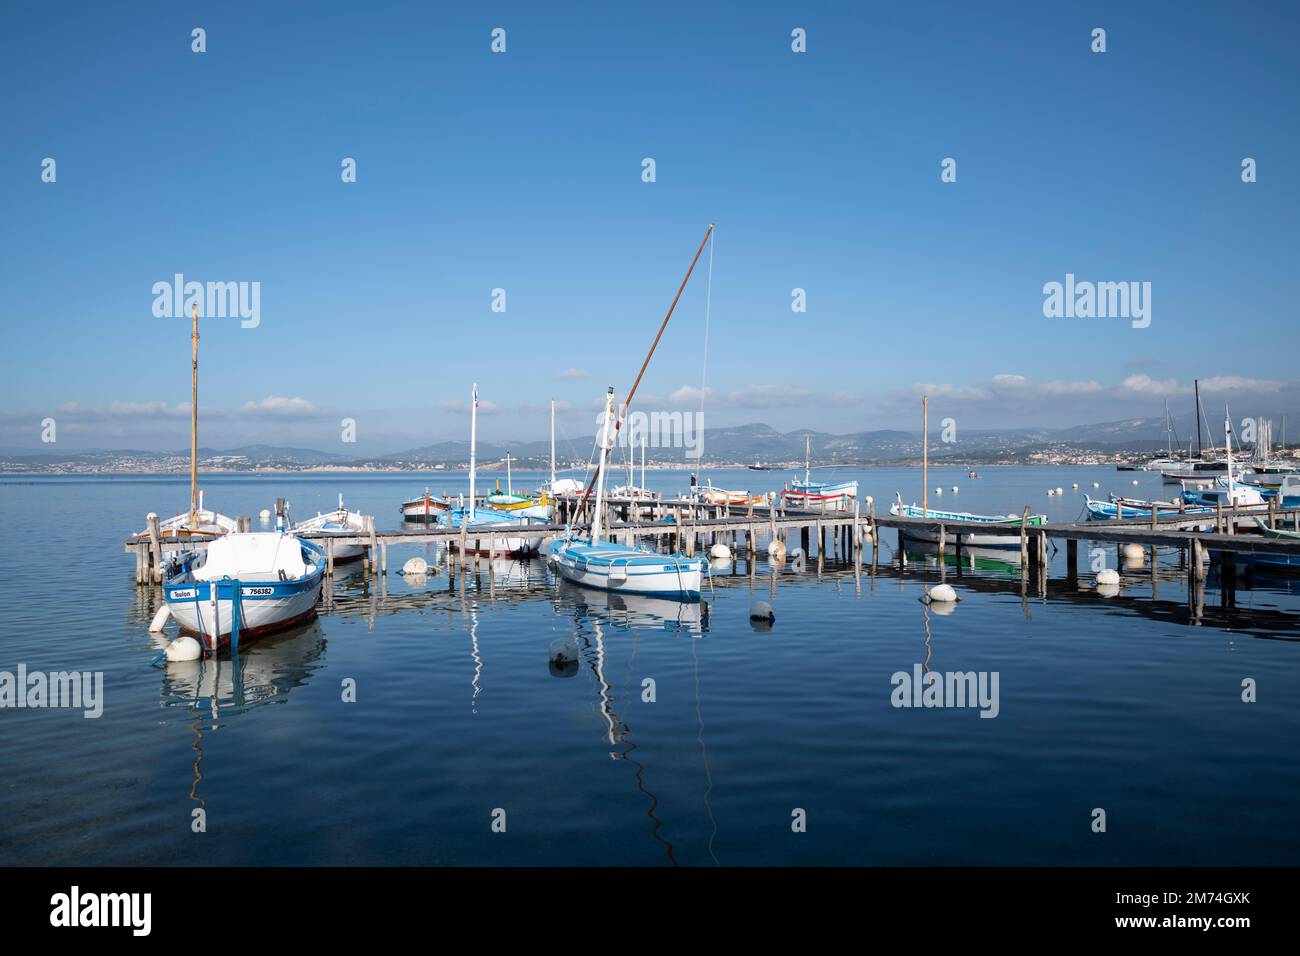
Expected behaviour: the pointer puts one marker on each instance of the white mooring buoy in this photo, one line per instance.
(1134, 554)
(265, 514)
(415, 566)
(942, 594)
(761, 611)
(720, 552)
(776, 549)
(183, 649)
(1060, 491)
(1050, 493)
(1107, 576)
(1096, 484)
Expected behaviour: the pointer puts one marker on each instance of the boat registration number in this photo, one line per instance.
(257, 592)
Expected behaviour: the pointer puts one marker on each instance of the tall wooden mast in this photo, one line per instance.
(194, 421)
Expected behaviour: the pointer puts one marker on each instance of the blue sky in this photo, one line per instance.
(522, 171)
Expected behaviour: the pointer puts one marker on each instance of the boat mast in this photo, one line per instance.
(642, 462)
(807, 459)
(618, 423)
(1227, 449)
(473, 446)
(606, 440)
(510, 488)
(194, 420)
(1169, 435)
(552, 446)
(1200, 450)
(925, 455)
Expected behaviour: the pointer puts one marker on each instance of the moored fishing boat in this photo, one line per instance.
(974, 539)
(818, 495)
(608, 566)
(244, 585)
(199, 524)
(1118, 508)
(339, 522)
(520, 505)
(732, 499)
(426, 507)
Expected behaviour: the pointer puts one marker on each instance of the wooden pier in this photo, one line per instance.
(683, 526)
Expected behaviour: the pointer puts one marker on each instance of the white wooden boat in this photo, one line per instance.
(608, 566)
(732, 499)
(337, 522)
(202, 524)
(427, 507)
(244, 585)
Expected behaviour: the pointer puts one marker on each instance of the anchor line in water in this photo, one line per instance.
(618, 419)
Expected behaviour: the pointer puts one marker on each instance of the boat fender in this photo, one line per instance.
(184, 649)
(415, 566)
(160, 619)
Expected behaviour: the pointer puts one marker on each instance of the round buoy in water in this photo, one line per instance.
(720, 551)
(415, 566)
(1096, 484)
(942, 593)
(1060, 491)
(1050, 493)
(938, 491)
(869, 499)
(1135, 481)
(954, 489)
(564, 650)
(1075, 486)
(1107, 576)
(265, 514)
(761, 611)
(776, 549)
(183, 649)
(1134, 554)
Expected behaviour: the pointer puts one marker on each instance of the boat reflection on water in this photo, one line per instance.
(995, 560)
(263, 672)
(635, 611)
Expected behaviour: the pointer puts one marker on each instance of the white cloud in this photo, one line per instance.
(278, 406)
(573, 373)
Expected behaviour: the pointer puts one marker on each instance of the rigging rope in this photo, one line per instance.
(704, 371)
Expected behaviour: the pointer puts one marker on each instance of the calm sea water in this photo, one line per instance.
(1114, 703)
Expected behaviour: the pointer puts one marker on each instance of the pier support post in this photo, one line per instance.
(383, 558)
(155, 551)
(1072, 562)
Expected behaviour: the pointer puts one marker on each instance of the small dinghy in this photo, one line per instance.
(200, 524)
(244, 585)
(427, 507)
(339, 522)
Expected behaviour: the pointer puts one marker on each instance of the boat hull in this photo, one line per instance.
(265, 606)
(617, 568)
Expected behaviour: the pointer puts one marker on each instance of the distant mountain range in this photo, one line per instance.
(741, 444)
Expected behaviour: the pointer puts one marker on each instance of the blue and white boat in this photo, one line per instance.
(512, 538)
(244, 585)
(974, 540)
(818, 495)
(1131, 508)
(609, 566)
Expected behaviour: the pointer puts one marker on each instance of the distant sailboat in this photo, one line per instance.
(475, 517)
